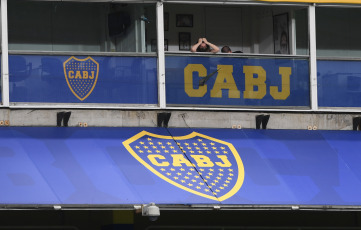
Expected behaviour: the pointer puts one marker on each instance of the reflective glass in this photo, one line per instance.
(338, 32)
(83, 79)
(238, 82)
(80, 26)
(339, 83)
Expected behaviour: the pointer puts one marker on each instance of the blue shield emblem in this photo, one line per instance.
(196, 163)
(81, 76)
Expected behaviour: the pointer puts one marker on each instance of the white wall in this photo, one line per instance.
(197, 31)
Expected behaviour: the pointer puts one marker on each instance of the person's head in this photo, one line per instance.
(203, 47)
(226, 49)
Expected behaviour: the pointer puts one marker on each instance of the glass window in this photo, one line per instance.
(80, 26)
(338, 32)
(302, 38)
(247, 29)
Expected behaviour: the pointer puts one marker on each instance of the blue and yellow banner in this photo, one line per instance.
(127, 166)
(83, 79)
(237, 82)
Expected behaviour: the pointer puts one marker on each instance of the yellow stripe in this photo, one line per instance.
(123, 217)
(317, 1)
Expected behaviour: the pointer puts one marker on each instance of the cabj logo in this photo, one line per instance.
(81, 76)
(197, 163)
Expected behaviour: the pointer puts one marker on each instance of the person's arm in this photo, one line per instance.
(215, 49)
(195, 46)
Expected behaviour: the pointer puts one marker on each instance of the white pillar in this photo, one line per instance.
(4, 54)
(161, 56)
(313, 58)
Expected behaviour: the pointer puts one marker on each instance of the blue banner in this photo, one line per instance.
(225, 81)
(83, 79)
(96, 166)
(339, 83)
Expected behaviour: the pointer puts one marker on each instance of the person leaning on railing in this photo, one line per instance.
(204, 46)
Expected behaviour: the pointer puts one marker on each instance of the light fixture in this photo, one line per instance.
(151, 210)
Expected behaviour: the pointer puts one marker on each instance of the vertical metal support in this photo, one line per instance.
(293, 38)
(313, 58)
(4, 54)
(161, 56)
(142, 32)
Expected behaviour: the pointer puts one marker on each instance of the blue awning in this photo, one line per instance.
(126, 166)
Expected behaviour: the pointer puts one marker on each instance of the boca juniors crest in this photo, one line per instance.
(81, 76)
(196, 163)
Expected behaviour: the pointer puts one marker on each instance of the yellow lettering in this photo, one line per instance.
(178, 160)
(225, 80)
(225, 161)
(92, 76)
(285, 72)
(202, 161)
(188, 80)
(85, 74)
(153, 157)
(78, 75)
(71, 74)
(251, 82)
